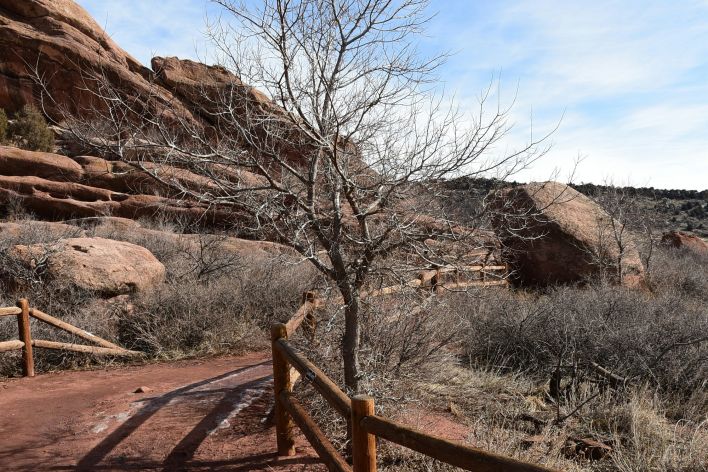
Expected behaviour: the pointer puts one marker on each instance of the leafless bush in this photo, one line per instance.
(660, 339)
(406, 337)
(504, 347)
(681, 272)
(229, 313)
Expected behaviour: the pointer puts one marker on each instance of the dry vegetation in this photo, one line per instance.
(487, 359)
(208, 306)
(513, 368)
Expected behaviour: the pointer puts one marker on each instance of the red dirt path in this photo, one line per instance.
(198, 416)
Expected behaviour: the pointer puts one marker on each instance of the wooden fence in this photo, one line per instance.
(23, 312)
(364, 425)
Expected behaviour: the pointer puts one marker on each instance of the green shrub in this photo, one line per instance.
(3, 126)
(30, 130)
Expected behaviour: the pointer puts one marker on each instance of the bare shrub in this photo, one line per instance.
(486, 358)
(406, 337)
(658, 339)
(680, 272)
(230, 313)
(187, 319)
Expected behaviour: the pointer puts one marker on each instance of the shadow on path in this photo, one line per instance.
(189, 444)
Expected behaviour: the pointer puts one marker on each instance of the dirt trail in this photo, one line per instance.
(197, 416)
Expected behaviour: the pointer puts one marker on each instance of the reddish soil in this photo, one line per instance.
(194, 416)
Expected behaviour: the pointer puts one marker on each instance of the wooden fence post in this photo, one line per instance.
(281, 382)
(23, 325)
(363, 443)
(311, 317)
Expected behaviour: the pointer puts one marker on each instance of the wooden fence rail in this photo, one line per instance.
(26, 343)
(364, 425)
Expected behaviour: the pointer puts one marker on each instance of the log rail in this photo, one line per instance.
(25, 343)
(364, 426)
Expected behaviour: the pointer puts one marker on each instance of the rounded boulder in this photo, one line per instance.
(96, 264)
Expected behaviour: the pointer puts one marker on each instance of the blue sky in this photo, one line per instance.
(629, 78)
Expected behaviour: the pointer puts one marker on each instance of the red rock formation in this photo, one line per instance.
(101, 265)
(128, 178)
(205, 87)
(211, 89)
(68, 47)
(62, 200)
(58, 187)
(17, 162)
(681, 240)
(554, 234)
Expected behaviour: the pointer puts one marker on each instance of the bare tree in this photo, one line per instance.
(625, 231)
(339, 158)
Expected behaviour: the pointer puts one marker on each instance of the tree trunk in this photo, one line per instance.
(350, 342)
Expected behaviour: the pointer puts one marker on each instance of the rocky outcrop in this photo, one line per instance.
(205, 87)
(71, 51)
(58, 187)
(123, 229)
(127, 177)
(95, 264)
(209, 90)
(682, 240)
(553, 234)
(67, 46)
(16, 162)
(64, 200)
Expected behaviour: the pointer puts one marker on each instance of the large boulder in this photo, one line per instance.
(553, 234)
(682, 240)
(100, 265)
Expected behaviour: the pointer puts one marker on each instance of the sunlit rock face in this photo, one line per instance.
(556, 235)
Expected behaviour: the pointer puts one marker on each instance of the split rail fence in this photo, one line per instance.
(24, 312)
(359, 411)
